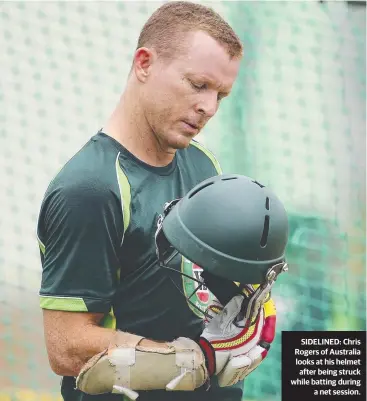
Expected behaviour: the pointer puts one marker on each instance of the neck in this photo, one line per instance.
(129, 126)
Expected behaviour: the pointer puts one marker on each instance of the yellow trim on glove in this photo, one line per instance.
(234, 343)
(269, 308)
(269, 304)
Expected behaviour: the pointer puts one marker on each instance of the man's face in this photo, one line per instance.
(182, 94)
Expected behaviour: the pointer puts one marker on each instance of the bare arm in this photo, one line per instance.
(74, 337)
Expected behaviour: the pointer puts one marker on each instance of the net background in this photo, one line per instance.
(295, 121)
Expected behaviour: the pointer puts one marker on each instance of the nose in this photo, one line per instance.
(208, 104)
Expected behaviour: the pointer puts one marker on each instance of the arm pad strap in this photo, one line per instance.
(126, 365)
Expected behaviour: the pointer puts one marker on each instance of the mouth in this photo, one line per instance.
(192, 125)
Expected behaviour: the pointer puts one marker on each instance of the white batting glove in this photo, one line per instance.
(232, 351)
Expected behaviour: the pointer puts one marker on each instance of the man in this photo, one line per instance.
(99, 214)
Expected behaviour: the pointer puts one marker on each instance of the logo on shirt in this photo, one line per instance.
(198, 293)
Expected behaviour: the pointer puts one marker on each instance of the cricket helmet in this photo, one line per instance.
(231, 226)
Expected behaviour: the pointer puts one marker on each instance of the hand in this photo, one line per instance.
(233, 351)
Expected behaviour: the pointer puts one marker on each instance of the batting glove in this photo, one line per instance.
(231, 348)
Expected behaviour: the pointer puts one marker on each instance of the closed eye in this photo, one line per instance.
(198, 86)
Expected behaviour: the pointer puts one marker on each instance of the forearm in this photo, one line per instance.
(91, 341)
(76, 348)
(88, 342)
(73, 338)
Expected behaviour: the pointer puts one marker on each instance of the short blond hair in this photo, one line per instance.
(167, 26)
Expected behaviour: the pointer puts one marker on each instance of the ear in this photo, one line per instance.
(143, 61)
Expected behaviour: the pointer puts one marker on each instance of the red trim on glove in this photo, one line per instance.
(209, 354)
(268, 331)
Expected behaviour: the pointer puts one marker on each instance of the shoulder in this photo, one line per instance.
(90, 171)
(79, 200)
(88, 183)
(199, 151)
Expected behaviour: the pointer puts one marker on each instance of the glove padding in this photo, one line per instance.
(233, 351)
(126, 366)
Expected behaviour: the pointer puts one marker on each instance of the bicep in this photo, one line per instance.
(81, 235)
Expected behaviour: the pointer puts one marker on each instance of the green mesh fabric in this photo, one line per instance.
(295, 121)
